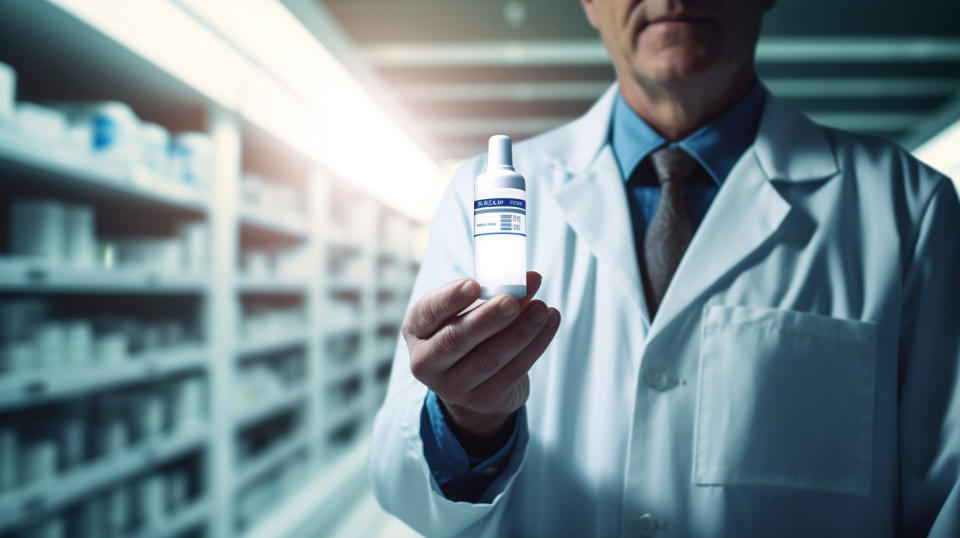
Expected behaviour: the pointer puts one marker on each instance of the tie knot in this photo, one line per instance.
(672, 163)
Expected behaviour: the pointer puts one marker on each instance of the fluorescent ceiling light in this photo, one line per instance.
(592, 52)
(166, 36)
(355, 136)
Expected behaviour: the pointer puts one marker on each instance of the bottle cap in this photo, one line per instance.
(500, 152)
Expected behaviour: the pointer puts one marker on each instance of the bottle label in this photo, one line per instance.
(499, 216)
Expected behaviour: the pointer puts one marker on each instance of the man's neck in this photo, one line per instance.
(676, 110)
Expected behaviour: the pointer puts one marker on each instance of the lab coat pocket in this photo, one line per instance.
(785, 399)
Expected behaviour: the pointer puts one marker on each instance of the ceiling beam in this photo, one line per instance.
(592, 52)
(589, 91)
(503, 91)
(523, 127)
(861, 87)
(866, 122)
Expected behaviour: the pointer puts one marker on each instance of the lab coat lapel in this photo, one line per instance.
(590, 191)
(746, 213)
(594, 203)
(748, 209)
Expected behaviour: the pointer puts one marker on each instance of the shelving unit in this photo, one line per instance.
(309, 296)
(76, 484)
(24, 389)
(271, 459)
(25, 275)
(278, 342)
(179, 523)
(72, 170)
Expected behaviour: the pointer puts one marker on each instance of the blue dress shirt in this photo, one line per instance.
(716, 146)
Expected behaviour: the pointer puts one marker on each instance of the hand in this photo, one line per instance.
(477, 362)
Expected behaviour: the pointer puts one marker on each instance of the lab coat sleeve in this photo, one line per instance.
(399, 473)
(930, 373)
(460, 476)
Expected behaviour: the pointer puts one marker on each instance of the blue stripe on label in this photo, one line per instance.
(500, 202)
(500, 233)
(499, 210)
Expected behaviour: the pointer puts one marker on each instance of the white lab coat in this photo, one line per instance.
(799, 379)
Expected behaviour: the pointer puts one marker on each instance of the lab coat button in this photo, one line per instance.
(657, 378)
(644, 525)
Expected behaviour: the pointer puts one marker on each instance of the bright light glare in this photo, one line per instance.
(170, 38)
(355, 136)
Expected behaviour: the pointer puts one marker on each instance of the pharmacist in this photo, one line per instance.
(761, 320)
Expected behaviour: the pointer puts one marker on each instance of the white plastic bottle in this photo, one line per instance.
(500, 224)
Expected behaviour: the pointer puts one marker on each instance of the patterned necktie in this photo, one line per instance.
(670, 231)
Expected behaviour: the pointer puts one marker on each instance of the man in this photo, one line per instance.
(760, 320)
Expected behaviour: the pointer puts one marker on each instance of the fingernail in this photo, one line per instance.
(554, 321)
(468, 289)
(539, 314)
(507, 306)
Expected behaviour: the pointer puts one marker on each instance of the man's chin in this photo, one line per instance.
(673, 72)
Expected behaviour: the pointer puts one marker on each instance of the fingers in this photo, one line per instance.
(534, 279)
(439, 338)
(459, 336)
(491, 355)
(515, 371)
(439, 305)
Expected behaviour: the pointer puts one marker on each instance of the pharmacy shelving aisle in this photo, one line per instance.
(104, 357)
(196, 320)
(104, 284)
(273, 351)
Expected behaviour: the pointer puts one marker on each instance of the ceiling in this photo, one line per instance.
(466, 69)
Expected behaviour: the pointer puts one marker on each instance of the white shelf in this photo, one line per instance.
(30, 388)
(383, 321)
(341, 372)
(273, 456)
(71, 169)
(267, 345)
(396, 287)
(347, 284)
(26, 275)
(290, 225)
(273, 284)
(288, 400)
(352, 327)
(393, 256)
(180, 522)
(347, 243)
(77, 483)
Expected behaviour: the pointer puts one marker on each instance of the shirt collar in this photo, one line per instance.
(716, 145)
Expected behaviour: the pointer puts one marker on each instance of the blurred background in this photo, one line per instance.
(212, 214)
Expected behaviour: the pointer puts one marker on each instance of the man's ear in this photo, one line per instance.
(588, 7)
